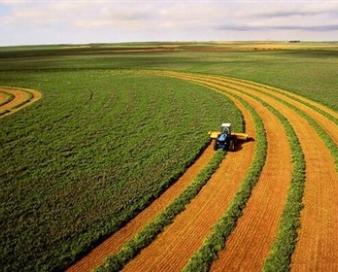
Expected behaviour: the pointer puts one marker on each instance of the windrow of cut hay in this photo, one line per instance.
(325, 111)
(203, 258)
(320, 177)
(328, 131)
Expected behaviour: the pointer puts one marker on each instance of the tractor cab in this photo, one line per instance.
(226, 128)
(225, 138)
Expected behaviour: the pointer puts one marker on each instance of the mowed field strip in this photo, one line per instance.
(14, 99)
(317, 248)
(250, 243)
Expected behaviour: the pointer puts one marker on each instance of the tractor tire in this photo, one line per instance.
(215, 146)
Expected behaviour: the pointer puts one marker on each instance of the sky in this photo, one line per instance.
(103, 21)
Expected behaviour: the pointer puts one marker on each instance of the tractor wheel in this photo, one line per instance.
(215, 146)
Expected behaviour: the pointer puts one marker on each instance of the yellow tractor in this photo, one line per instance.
(226, 139)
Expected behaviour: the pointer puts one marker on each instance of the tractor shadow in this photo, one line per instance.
(239, 144)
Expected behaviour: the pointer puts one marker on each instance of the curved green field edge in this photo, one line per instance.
(328, 141)
(143, 238)
(8, 98)
(279, 257)
(215, 241)
(283, 92)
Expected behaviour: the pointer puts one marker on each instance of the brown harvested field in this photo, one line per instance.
(175, 245)
(111, 245)
(317, 248)
(22, 98)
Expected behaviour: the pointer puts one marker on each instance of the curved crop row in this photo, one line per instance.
(173, 248)
(151, 230)
(320, 131)
(287, 94)
(203, 258)
(329, 142)
(280, 255)
(7, 97)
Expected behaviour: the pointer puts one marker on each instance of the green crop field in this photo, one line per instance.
(93, 152)
(107, 138)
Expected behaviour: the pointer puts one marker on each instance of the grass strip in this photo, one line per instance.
(8, 98)
(202, 259)
(151, 230)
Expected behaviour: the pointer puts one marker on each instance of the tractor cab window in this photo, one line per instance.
(225, 130)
